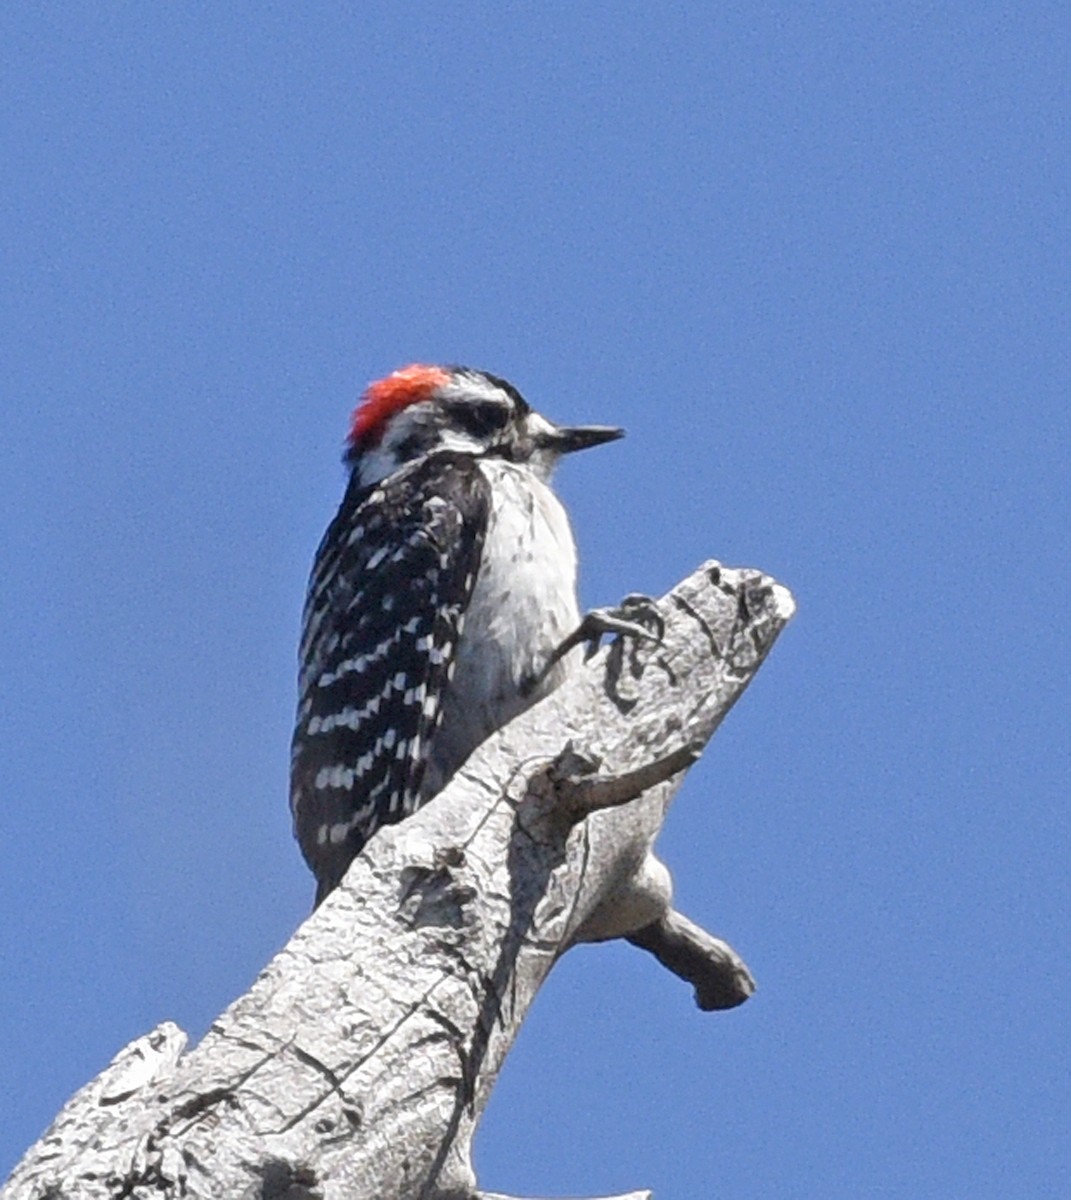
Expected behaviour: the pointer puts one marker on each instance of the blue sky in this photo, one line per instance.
(815, 259)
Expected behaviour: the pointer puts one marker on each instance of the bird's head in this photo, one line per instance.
(420, 409)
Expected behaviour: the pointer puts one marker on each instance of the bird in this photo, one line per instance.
(441, 603)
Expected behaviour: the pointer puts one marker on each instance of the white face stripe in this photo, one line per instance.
(382, 459)
(466, 386)
(537, 424)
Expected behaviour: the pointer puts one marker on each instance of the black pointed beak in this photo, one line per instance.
(567, 438)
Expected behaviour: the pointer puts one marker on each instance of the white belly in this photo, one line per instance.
(523, 606)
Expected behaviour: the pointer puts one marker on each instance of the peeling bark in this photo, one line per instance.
(359, 1063)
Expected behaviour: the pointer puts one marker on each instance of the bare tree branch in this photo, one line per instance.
(359, 1063)
(718, 974)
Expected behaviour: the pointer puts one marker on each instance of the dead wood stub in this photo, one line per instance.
(359, 1063)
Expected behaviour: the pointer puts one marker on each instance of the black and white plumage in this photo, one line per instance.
(438, 595)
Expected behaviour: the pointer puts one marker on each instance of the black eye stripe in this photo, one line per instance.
(481, 416)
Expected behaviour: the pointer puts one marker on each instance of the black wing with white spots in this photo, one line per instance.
(386, 603)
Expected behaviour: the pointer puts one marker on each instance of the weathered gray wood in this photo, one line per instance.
(718, 974)
(358, 1064)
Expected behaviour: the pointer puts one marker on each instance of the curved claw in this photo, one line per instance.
(642, 608)
(623, 619)
(602, 621)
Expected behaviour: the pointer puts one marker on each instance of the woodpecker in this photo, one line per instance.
(440, 604)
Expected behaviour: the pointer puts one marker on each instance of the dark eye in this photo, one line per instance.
(483, 417)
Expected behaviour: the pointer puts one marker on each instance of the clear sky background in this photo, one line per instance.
(815, 259)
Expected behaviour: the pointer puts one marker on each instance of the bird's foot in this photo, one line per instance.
(637, 616)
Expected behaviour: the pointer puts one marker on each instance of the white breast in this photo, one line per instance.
(523, 605)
